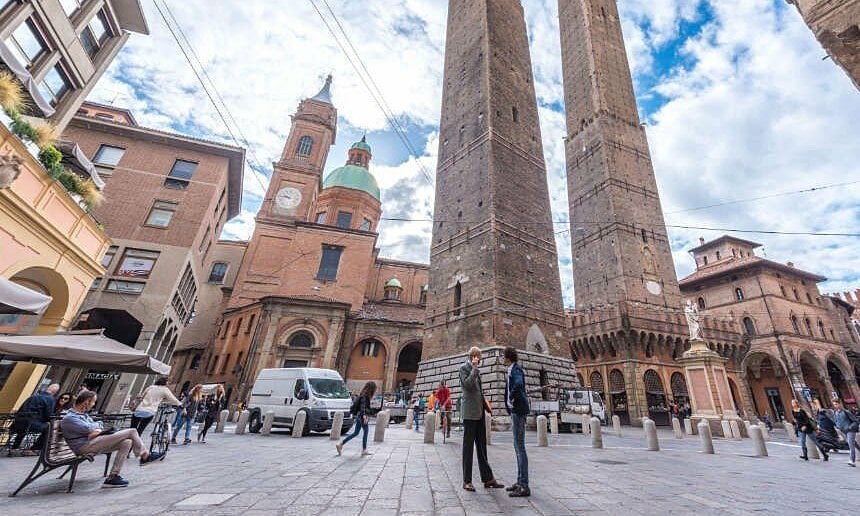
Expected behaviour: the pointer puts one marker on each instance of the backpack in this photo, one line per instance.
(353, 409)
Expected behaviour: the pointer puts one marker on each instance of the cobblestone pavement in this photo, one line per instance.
(254, 474)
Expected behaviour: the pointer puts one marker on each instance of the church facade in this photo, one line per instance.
(311, 289)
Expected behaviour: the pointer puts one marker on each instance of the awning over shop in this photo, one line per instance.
(85, 350)
(17, 299)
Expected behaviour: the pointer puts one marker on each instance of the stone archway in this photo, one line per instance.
(769, 385)
(407, 367)
(51, 283)
(838, 380)
(813, 376)
(367, 363)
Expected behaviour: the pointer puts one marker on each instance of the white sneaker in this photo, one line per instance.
(339, 447)
(851, 463)
(366, 452)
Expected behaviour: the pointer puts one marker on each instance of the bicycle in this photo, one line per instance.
(162, 431)
(446, 420)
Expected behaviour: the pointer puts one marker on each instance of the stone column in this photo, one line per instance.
(710, 394)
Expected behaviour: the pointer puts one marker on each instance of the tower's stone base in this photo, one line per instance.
(540, 370)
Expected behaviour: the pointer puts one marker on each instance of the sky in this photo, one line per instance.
(738, 98)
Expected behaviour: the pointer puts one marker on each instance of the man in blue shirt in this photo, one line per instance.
(33, 416)
(517, 405)
(86, 437)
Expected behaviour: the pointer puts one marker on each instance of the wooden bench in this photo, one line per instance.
(57, 454)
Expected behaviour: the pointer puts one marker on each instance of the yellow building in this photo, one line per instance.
(48, 243)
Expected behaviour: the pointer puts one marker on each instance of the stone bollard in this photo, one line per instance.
(387, 418)
(764, 432)
(429, 427)
(813, 450)
(747, 426)
(336, 426)
(727, 429)
(268, 421)
(236, 416)
(242, 422)
(222, 420)
(758, 441)
(789, 429)
(299, 423)
(553, 423)
(596, 433)
(381, 425)
(736, 430)
(676, 427)
(586, 424)
(651, 432)
(541, 431)
(616, 425)
(488, 427)
(688, 426)
(705, 435)
(410, 419)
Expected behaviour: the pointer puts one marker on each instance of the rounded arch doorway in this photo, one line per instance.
(655, 397)
(367, 363)
(407, 368)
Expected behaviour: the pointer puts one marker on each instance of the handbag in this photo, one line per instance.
(134, 403)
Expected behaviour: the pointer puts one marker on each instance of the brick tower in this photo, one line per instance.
(493, 262)
(628, 327)
(494, 277)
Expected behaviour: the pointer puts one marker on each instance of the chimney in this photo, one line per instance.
(790, 264)
(701, 240)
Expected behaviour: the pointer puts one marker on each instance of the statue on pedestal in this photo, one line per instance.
(691, 312)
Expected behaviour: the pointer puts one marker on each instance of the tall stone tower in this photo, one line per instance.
(620, 248)
(493, 266)
(628, 329)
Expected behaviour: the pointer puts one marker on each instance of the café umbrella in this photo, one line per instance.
(88, 349)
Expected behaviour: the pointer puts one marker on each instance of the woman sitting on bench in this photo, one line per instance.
(86, 437)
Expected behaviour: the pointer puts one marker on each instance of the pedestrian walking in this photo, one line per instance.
(806, 429)
(474, 409)
(417, 408)
(517, 405)
(189, 411)
(144, 409)
(214, 405)
(849, 424)
(360, 409)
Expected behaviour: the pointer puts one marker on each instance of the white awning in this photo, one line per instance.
(15, 299)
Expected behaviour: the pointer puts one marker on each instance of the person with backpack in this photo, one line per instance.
(360, 410)
(806, 428)
(849, 424)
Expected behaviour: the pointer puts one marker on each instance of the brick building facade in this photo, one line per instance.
(167, 198)
(836, 25)
(311, 289)
(798, 344)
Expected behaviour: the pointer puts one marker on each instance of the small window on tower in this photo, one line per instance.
(344, 219)
(321, 217)
(644, 236)
(365, 225)
(458, 298)
(718, 255)
(515, 114)
(306, 143)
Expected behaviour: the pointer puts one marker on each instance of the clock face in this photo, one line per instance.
(288, 198)
(653, 287)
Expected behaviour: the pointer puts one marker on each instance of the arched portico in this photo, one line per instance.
(769, 385)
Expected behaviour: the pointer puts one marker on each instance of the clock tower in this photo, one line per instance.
(296, 178)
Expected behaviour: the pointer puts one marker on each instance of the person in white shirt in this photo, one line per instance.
(148, 404)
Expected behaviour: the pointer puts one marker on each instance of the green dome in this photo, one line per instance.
(394, 282)
(361, 145)
(355, 177)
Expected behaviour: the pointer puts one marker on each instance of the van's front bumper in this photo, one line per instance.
(321, 419)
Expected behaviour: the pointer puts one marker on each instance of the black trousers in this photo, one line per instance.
(475, 436)
(140, 424)
(207, 423)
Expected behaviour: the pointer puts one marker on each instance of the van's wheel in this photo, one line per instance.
(306, 431)
(255, 422)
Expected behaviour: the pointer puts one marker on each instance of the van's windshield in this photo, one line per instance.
(329, 388)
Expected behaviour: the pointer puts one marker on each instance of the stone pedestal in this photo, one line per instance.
(710, 394)
(558, 370)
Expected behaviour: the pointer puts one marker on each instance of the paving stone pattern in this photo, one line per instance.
(253, 474)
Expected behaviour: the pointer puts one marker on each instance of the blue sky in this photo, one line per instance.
(737, 100)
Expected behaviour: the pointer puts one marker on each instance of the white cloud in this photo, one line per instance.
(751, 108)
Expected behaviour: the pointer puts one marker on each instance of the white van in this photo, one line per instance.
(320, 393)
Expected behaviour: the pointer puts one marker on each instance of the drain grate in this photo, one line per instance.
(610, 462)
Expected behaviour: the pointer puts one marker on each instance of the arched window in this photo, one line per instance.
(808, 298)
(679, 387)
(796, 296)
(301, 339)
(458, 298)
(596, 382)
(739, 294)
(371, 348)
(795, 325)
(616, 381)
(305, 145)
(653, 383)
(821, 329)
(749, 327)
(782, 290)
(718, 255)
(808, 326)
(701, 303)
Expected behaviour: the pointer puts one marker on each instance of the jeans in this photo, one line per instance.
(188, 422)
(804, 436)
(475, 436)
(851, 437)
(120, 442)
(140, 423)
(416, 415)
(519, 427)
(360, 425)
